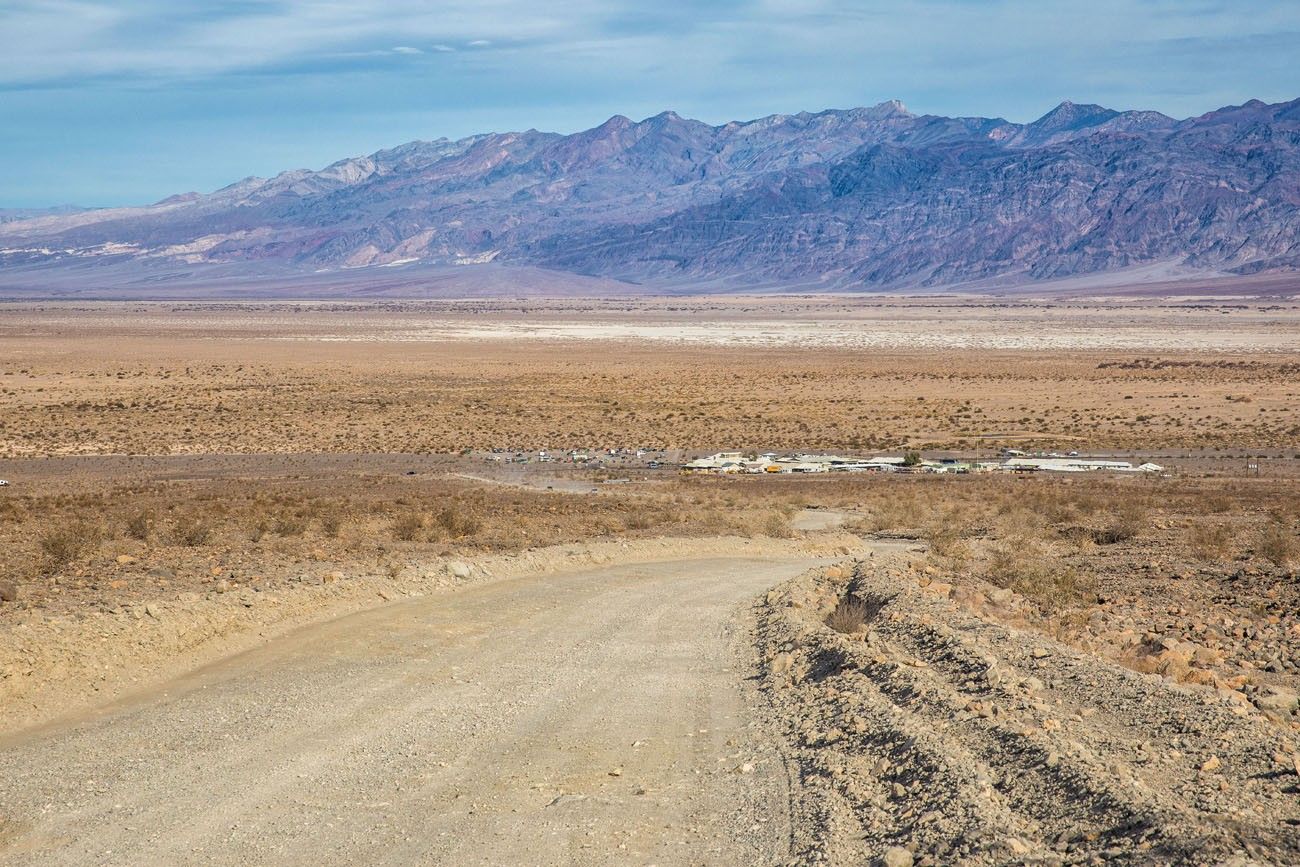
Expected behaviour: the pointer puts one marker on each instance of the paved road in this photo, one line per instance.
(590, 718)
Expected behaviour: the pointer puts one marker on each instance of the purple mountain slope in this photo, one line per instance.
(864, 198)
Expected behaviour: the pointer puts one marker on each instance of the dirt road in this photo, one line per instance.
(589, 718)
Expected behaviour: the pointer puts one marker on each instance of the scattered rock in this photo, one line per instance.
(896, 856)
(9, 592)
(1277, 700)
(939, 588)
(460, 570)
(152, 610)
(125, 559)
(562, 800)
(1003, 596)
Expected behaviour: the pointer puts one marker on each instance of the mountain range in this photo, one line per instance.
(866, 198)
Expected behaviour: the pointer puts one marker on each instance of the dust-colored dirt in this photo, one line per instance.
(765, 373)
(553, 662)
(584, 718)
(950, 737)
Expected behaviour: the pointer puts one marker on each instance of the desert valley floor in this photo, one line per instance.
(273, 586)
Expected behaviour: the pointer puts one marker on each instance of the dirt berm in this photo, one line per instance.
(931, 735)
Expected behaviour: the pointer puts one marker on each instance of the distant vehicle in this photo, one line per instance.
(4, 483)
(1072, 454)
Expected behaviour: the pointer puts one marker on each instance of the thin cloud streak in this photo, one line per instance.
(123, 101)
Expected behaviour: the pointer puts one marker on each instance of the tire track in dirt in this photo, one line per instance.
(964, 740)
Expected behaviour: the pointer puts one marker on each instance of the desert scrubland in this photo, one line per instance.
(743, 373)
(996, 669)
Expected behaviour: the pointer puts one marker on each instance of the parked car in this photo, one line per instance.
(4, 483)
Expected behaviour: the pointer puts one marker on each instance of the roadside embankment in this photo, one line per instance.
(52, 667)
(922, 732)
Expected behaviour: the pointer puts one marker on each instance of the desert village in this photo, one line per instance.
(912, 462)
(754, 463)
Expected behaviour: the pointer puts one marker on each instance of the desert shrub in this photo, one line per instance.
(406, 527)
(140, 525)
(456, 521)
(289, 524)
(638, 519)
(61, 545)
(1128, 522)
(191, 531)
(331, 521)
(1032, 570)
(852, 614)
(777, 526)
(947, 537)
(1278, 544)
(897, 513)
(1212, 542)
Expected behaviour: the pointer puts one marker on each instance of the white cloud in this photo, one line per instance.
(942, 55)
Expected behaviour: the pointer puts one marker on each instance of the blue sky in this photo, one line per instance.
(129, 101)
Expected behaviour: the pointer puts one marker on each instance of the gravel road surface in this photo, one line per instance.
(588, 718)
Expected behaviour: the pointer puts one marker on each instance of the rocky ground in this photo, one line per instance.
(940, 730)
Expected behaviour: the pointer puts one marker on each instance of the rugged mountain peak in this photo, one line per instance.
(889, 108)
(180, 198)
(1070, 116)
(617, 123)
(872, 196)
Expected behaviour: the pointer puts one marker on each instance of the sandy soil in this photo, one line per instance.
(587, 718)
(1053, 670)
(758, 373)
(609, 715)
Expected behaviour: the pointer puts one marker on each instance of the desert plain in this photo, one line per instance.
(275, 586)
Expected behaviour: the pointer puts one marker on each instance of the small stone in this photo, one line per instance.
(1040, 653)
(9, 592)
(152, 610)
(1211, 765)
(896, 856)
(1002, 596)
(458, 569)
(616, 772)
(125, 559)
(1277, 700)
(781, 663)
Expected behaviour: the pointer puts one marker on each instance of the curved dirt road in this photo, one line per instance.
(586, 718)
